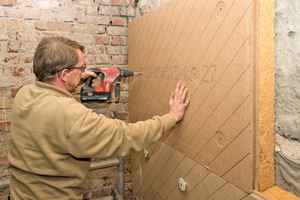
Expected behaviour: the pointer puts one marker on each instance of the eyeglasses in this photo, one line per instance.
(82, 67)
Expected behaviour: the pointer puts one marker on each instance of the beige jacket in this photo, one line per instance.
(53, 138)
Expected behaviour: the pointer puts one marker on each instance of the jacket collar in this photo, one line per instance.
(58, 91)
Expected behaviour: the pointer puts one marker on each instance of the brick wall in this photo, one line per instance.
(100, 25)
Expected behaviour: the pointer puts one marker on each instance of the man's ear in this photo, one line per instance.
(64, 75)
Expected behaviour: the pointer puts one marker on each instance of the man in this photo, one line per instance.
(53, 136)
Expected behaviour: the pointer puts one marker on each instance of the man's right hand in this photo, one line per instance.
(177, 103)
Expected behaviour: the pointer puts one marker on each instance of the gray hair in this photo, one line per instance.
(54, 54)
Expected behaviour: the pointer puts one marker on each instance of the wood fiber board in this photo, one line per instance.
(139, 161)
(160, 163)
(249, 197)
(141, 173)
(235, 152)
(193, 178)
(227, 64)
(207, 187)
(208, 46)
(174, 161)
(228, 191)
(236, 177)
(166, 172)
(181, 170)
(219, 142)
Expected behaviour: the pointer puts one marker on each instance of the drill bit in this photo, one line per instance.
(137, 73)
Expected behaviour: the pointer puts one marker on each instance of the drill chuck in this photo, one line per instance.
(126, 73)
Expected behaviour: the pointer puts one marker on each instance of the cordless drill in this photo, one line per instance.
(102, 93)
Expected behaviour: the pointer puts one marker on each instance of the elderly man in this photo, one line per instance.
(54, 137)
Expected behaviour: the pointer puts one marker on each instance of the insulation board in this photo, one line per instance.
(208, 46)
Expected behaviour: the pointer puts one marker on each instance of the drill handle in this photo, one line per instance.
(89, 80)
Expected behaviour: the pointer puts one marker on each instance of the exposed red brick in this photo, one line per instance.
(132, 3)
(18, 71)
(125, 85)
(85, 19)
(41, 25)
(118, 2)
(9, 12)
(53, 26)
(91, 9)
(59, 26)
(119, 21)
(3, 161)
(89, 29)
(104, 20)
(29, 13)
(126, 107)
(124, 116)
(99, 49)
(13, 25)
(2, 103)
(4, 138)
(14, 92)
(12, 47)
(2, 93)
(116, 31)
(113, 50)
(124, 50)
(28, 59)
(127, 12)
(13, 35)
(102, 59)
(124, 97)
(8, 2)
(108, 10)
(102, 192)
(101, 39)
(103, 2)
(131, 20)
(118, 60)
(9, 103)
(118, 41)
(4, 126)
(12, 59)
(89, 59)
(128, 178)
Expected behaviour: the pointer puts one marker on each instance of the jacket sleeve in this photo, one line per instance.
(95, 136)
